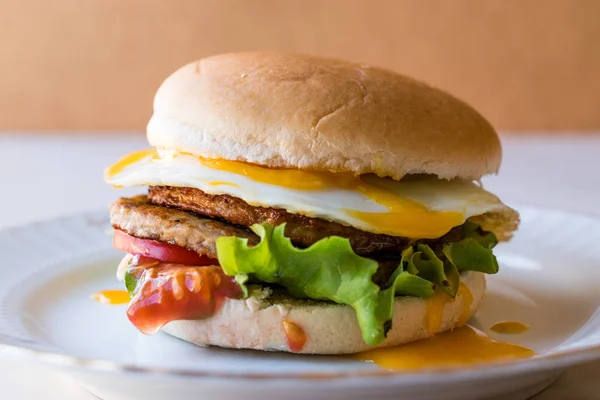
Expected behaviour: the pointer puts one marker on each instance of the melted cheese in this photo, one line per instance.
(461, 347)
(111, 297)
(421, 207)
(509, 327)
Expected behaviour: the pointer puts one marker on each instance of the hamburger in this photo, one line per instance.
(307, 205)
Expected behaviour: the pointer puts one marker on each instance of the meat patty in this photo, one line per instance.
(138, 217)
(302, 230)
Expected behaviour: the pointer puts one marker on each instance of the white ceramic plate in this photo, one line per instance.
(548, 279)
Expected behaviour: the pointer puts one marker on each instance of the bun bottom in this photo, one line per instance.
(260, 322)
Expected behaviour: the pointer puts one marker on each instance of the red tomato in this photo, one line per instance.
(160, 251)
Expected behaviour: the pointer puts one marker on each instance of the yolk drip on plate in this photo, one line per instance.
(404, 217)
(461, 347)
(509, 327)
(111, 297)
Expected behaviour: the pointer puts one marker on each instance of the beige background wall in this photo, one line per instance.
(95, 64)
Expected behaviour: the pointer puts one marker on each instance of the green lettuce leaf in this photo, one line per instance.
(330, 270)
(432, 268)
(425, 264)
(327, 270)
(405, 279)
(470, 255)
(130, 283)
(486, 239)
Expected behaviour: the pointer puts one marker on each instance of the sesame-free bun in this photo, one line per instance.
(258, 322)
(299, 111)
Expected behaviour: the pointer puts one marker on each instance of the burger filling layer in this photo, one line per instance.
(189, 251)
(419, 206)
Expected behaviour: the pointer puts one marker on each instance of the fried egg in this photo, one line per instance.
(414, 207)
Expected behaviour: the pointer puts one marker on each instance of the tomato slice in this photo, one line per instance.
(159, 251)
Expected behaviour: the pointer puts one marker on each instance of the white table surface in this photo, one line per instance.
(47, 175)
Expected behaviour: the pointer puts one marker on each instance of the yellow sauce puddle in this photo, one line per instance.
(111, 297)
(510, 327)
(461, 347)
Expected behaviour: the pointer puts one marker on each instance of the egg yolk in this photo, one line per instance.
(437, 302)
(111, 297)
(465, 293)
(461, 347)
(129, 159)
(290, 178)
(405, 217)
(509, 327)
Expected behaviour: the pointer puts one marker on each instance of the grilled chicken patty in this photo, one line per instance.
(138, 217)
(302, 230)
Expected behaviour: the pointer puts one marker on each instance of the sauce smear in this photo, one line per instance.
(294, 334)
(169, 292)
(509, 327)
(111, 297)
(460, 347)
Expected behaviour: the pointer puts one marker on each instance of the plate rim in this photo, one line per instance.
(538, 363)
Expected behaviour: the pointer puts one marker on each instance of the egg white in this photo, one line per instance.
(182, 170)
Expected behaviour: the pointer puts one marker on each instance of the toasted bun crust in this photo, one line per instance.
(257, 323)
(298, 111)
